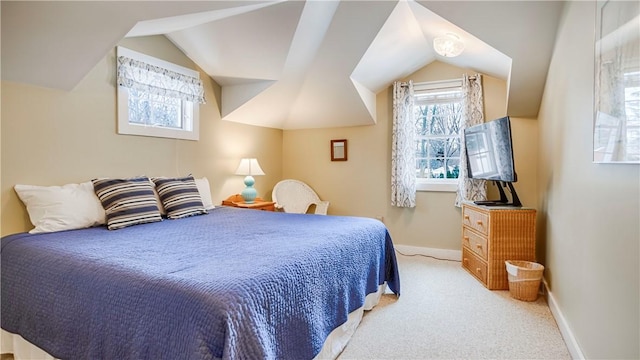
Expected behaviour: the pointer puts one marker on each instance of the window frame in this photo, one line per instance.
(436, 184)
(190, 129)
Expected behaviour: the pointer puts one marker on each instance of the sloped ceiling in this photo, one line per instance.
(290, 64)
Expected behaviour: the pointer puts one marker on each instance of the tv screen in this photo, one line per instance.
(489, 151)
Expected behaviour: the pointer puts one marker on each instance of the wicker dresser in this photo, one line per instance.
(491, 235)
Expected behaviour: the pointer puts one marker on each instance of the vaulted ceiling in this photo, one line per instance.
(290, 64)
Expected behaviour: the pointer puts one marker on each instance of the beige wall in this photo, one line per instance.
(590, 212)
(361, 185)
(53, 137)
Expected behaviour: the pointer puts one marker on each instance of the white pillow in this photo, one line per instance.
(205, 193)
(57, 208)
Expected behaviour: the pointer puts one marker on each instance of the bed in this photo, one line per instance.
(230, 284)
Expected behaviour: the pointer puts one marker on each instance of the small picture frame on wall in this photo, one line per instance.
(339, 150)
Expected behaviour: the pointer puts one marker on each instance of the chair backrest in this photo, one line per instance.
(294, 196)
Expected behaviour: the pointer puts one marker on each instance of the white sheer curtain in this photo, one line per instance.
(470, 189)
(138, 75)
(403, 142)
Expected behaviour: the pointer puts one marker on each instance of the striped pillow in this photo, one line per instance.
(180, 197)
(127, 201)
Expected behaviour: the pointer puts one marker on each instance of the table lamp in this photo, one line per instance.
(249, 167)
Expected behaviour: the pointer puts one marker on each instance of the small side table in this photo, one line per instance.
(259, 204)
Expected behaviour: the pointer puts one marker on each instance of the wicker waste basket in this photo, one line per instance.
(524, 279)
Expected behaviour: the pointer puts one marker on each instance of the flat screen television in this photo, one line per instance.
(489, 153)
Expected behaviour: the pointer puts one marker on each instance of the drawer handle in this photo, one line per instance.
(465, 260)
(466, 217)
(479, 222)
(479, 246)
(479, 270)
(466, 238)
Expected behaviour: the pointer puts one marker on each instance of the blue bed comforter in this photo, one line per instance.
(232, 284)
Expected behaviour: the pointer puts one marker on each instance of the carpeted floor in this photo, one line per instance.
(444, 313)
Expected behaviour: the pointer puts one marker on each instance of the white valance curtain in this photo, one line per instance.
(135, 74)
(473, 114)
(403, 142)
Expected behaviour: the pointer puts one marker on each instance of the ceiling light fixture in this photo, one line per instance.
(448, 45)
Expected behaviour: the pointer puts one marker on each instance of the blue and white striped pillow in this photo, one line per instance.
(180, 197)
(127, 202)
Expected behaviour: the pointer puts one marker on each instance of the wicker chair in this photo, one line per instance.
(294, 196)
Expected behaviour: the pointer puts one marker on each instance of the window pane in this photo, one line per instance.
(420, 113)
(165, 114)
(454, 119)
(437, 158)
(438, 122)
(136, 111)
(422, 168)
(453, 147)
(453, 168)
(155, 110)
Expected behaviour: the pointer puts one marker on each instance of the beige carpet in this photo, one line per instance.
(444, 313)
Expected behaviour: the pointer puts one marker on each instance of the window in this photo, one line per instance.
(438, 117)
(157, 98)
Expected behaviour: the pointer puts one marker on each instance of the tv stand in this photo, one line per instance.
(515, 201)
(490, 236)
(503, 201)
(490, 203)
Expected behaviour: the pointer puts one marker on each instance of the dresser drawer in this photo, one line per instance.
(475, 219)
(474, 265)
(475, 242)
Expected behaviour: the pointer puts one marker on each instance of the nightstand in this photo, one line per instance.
(259, 204)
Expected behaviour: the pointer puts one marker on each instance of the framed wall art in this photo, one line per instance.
(339, 150)
(616, 130)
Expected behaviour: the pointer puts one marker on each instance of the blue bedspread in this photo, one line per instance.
(232, 284)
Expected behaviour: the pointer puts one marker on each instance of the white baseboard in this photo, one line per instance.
(445, 254)
(565, 330)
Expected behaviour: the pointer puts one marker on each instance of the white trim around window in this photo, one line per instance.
(440, 185)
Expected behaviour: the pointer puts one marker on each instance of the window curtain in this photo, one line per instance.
(403, 142)
(138, 75)
(473, 114)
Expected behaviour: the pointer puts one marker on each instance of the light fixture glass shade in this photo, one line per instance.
(448, 45)
(249, 167)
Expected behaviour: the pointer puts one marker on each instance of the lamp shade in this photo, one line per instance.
(249, 167)
(448, 45)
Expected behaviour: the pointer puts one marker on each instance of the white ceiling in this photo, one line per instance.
(291, 64)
